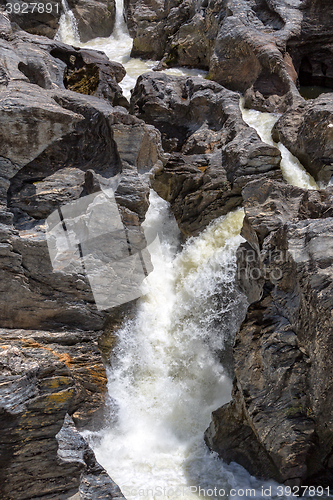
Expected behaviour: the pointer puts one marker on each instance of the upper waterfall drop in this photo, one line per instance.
(68, 31)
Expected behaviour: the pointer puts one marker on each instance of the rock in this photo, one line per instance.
(51, 64)
(51, 137)
(73, 193)
(42, 21)
(45, 375)
(311, 49)
(261, 48)
(95, 18)
(150, 24)
(307, 131)
(280, 420)
(95, 483)
(213, 151)
(42, 378)
(79, 351)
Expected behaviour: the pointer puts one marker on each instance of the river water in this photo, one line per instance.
(165, 377)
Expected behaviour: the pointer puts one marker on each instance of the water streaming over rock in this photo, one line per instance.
(68, 31)
(166, 375)
(292, 170)
(118, 48)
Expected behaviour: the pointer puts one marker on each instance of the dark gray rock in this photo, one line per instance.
(282, 397)
(50, 137)
(95, 483)
(307, 131)
(214, 153)
(95, 18)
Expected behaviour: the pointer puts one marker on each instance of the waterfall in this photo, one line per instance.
(68, 31)
(166, 376)
(292, 170)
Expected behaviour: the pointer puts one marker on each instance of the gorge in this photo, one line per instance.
(236, 317)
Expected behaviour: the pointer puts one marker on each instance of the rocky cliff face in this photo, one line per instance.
(66, 134)
(63, 136)
(279, 421)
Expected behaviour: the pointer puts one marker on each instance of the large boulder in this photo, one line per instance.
(280, 422)
(213, 152)
(307, 131)
(95, 18)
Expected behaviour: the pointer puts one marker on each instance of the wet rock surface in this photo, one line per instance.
(59, 147)
(283, 386)
(213, 153)
(307, 131)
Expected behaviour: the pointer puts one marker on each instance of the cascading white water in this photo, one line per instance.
(292, 170)
(165, 375)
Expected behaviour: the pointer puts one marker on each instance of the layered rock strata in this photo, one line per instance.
(279, 423)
